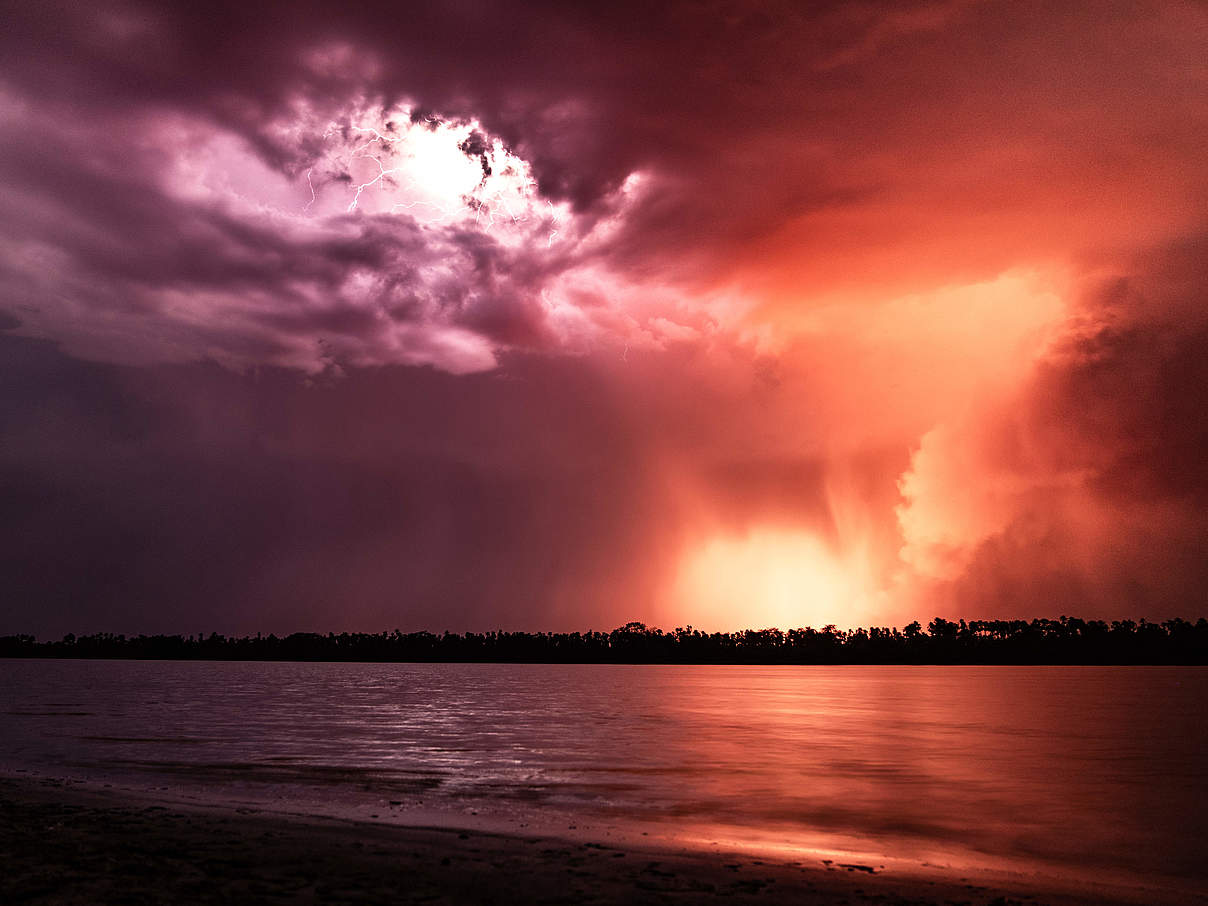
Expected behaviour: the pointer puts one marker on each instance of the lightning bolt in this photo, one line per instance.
(555, 216)
(446, 212)
(312, 190)
(382, 174)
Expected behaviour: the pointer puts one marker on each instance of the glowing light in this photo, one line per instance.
(770, 577)
(452, 171)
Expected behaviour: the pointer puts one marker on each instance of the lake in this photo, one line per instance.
(1098, 771)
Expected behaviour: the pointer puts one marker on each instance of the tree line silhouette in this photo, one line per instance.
(1040, 641)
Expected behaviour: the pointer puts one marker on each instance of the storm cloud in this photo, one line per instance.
(517, 314)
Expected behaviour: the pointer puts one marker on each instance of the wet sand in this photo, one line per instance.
(64, 843)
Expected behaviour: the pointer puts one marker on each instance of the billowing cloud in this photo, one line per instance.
(1084, 487)
(175, 242)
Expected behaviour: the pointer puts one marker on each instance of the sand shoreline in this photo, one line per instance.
(61, 843)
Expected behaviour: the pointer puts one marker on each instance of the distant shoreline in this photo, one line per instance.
(65, 843)
(1062, 642)
(614, 663)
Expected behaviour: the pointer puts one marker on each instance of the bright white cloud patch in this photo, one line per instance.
(438, 172)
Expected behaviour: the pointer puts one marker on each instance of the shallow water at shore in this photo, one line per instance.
(1092, 770)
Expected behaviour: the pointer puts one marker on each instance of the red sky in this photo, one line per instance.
(551, 317)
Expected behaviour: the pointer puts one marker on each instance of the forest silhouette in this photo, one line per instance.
(1040, 641)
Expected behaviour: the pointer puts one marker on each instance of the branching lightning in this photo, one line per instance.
(503, 194)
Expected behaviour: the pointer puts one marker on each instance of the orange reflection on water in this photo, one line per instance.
(1065, 771)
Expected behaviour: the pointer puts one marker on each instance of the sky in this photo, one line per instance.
(552, 316)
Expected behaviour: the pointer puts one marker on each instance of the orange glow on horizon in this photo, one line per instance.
(783, 578)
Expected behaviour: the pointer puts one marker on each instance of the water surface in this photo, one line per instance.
(1054, 769)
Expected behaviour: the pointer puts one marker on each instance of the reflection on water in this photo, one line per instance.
(1063, 767)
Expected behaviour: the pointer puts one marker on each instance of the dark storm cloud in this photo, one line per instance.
(1125, 393)
(795, 144)
(588, 93)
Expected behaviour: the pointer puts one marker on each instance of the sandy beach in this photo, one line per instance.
(74, 843)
